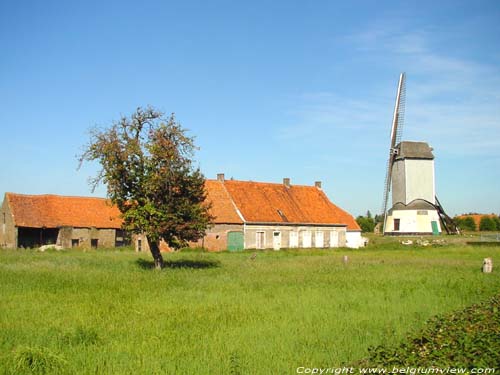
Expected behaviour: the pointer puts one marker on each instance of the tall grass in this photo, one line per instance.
(225, 313)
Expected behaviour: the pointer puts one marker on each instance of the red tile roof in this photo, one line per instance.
(223, 208)
(53, 211)
(260, 202)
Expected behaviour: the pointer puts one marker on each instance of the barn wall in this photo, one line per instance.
(8, 231)
(82, 237)
(215, 239)
(268, 236)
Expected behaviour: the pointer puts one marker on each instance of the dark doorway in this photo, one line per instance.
(94, 243)
(36, 237)
(396, 224)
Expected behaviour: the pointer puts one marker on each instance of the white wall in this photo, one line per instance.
(413, 221)
(354, 240)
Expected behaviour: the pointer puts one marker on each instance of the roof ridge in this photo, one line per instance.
(54, 195)
(263, 183)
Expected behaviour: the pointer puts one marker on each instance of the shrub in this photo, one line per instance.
(466, 223)
(467, 338)
(487, 224)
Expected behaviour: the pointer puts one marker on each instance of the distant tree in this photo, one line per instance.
(487, 223)
(147, 166)
(368, 214)
(466, 223)
(367, 224)
(496, 219)
(379, 219)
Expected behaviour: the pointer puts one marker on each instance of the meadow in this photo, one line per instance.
(108, 312)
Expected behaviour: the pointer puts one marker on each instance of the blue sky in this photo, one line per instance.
(299, 89)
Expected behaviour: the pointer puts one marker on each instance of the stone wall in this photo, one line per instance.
(86, 237)
(8, 232)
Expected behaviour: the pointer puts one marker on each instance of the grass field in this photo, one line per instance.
(107, 312)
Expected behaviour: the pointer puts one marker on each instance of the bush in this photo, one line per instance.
(487, 224)
(466, 223)
(367, 224)
(467, 338)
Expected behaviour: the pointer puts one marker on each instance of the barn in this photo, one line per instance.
(34, 220)
(263, 215)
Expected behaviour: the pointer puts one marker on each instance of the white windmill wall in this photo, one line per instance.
(412, 221)
(419, 180)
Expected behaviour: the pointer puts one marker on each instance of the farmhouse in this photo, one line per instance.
(261, 215)
(35, 220)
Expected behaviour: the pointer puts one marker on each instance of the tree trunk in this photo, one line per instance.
(154, 247)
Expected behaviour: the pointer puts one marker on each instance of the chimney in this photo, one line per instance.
(220, 177)
(318, 184)
(286, 182)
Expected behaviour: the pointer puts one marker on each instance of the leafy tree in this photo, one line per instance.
(466, 223)
(487, 224)
(367, 224)
(148, 169)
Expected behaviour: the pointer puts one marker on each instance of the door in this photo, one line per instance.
(306, 239)
(294, 240)
(334, 239)
(235, 241)
(260, 240)
(435, 228)
(276, 240)
(319, 239)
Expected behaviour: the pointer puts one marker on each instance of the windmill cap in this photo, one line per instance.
(414, 150)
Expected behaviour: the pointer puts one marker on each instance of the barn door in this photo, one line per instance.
(235, 241)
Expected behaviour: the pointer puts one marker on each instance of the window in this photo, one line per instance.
(75, 242)
(139, 245)
(94, 243)
(396, 224)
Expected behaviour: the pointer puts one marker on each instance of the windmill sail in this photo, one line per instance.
(396, 133)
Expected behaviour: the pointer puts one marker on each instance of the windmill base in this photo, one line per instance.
(408, 222)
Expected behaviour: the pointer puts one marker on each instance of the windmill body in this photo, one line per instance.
(413, 191)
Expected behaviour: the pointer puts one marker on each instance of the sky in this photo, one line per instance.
(269, 89)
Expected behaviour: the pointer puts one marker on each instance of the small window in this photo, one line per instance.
(94, 242)
(396, 224)
(75, 242)
(139, 245)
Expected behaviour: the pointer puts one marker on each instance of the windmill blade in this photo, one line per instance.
(396, 134)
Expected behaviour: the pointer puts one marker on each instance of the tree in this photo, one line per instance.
(367, 224)
(148, 169)
(487, 223)
(466, 223)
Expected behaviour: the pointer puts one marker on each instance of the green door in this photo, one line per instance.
(235, 241)
(435, 229)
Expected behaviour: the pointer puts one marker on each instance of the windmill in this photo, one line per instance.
(410, 175)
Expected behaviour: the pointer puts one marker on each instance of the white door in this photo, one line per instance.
(306, 239)
(334, 239)
(276, 240)
(259, 240)
(294, 239)
(319, 239)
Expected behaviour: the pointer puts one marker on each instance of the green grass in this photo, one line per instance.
(107, 312)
